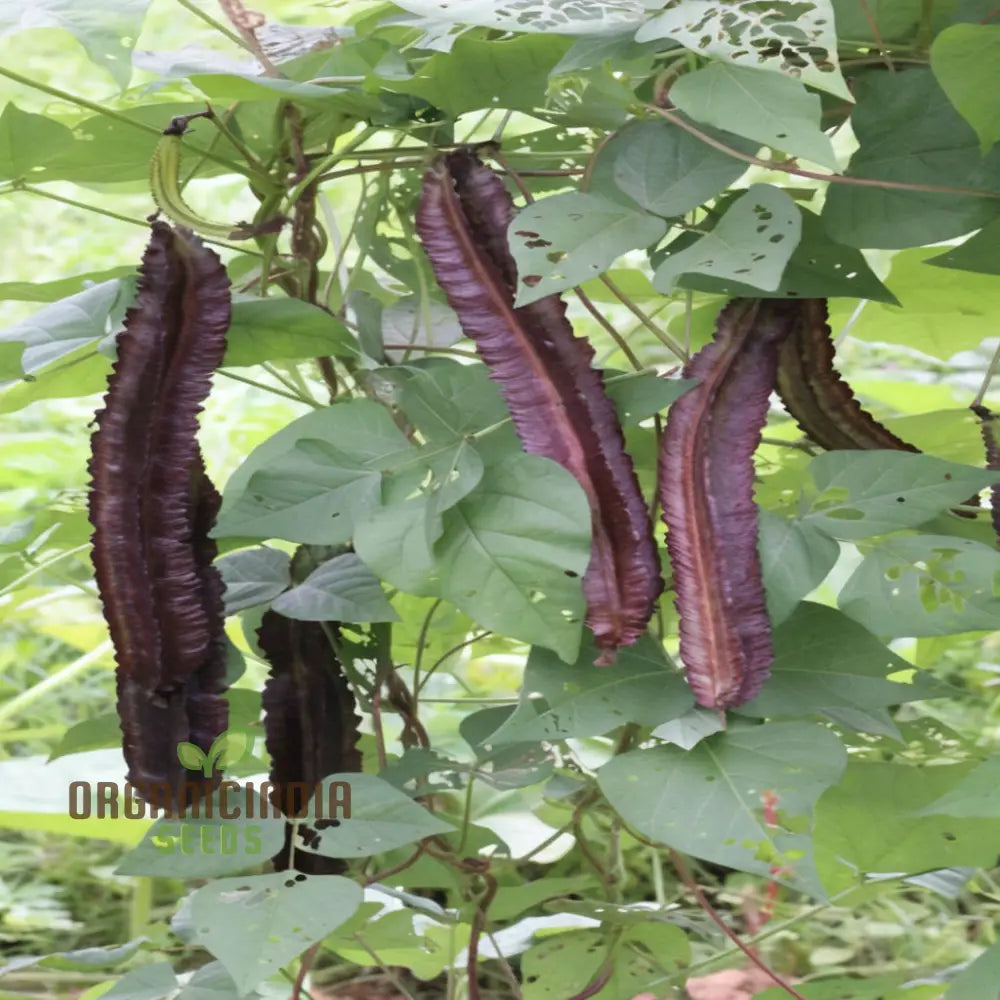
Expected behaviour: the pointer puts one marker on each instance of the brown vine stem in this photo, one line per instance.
(246, 22)
(611, 331)
(661, 335)
(604, 974)
(30, 189)
(475, 933)
(812, 174)
(401, 867)
(450, 652)
(305, 964)
(369, 168)
(685, 876)
(883, 51)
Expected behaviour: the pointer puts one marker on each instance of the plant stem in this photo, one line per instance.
(100, 109)
(38, 567)
(121, 218)
(55, 680)
(268, 388)
(661, 335)
(685, 876)
(612, 332)
(421, 646)
(786, 168)
(217, 25)
(987, 378)
(140, 906)
(328, 161)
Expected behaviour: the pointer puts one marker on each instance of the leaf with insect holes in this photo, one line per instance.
(751, 243)
(925, 585)
(256, 924)
(566, 239)
(796, 39)
(863, 493)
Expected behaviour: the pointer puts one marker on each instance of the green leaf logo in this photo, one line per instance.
(190, 756)
(227, 749)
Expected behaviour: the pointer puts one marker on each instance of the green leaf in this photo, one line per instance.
(397, 542)
(742, 34)
(477, 74)
(63, 327)
(910, 133)
(639, 395)
(445, 400)
(35, 796)
(80, 373)
(95, 733)
(980, 252)
(795, 559)
(878, 21)
(49, 291)
(963, 58)
(513, 550)
(691, 728)
(751, 243)
(107, 31)
(253, 576)
(191, 756)
(976, 796)
(870, 822)
(206, 848)
(381, 819)
(722, 782)
(394, 938)
(251, 86)
(980, 980)
(341, 589)
(865, 493)
(822, 661)
(11, 365)
(819, 268)
(664, 169)
(775, 110)
(148, 982)
(283, 329)
(78, 960)
(925, 585)
(256, 924)
(27, 140)
(563, 240)
(944, 311)
(564, 964)
(954, 433)
(311, 480)
(106, 147)
(599, 16)
(583, 700)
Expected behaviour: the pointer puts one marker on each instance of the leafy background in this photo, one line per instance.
(874, 874)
